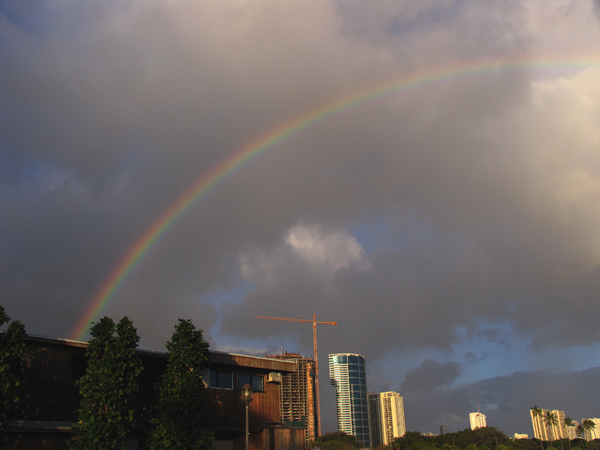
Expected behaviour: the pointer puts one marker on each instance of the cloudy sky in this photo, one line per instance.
(451, 226)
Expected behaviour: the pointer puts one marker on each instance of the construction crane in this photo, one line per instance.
(314, 322)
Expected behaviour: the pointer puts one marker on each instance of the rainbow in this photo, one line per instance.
(238, 159)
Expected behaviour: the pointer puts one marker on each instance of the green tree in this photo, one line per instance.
(550, 420)
(568, 422)
(538, 412)
(407, 441)
(181, 399)
(349, 441)
(12, 346)
(108, 388)
(588, 426)
(332, 445)
(580, 431)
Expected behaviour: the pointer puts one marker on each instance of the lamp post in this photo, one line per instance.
(247, 394)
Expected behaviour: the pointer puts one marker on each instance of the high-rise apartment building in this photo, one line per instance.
(444, 428)
(571, 432)
(477, 420)
(348, 375)
(386, 417)
(592, 433)
(545, 432)
(297, 397)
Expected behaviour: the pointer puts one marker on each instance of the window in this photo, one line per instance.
(253, 380)
(221, 380)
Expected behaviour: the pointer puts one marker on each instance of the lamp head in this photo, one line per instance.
(247, 393)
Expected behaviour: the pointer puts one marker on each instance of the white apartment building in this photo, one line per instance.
(546, 432)
(571, 432)
(386, 417)
(477, 420)
(593, 433)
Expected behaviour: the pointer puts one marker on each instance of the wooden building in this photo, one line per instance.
(52, 367)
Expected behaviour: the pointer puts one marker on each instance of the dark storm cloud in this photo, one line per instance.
(505, 400)
(462, 212)
(430, 375)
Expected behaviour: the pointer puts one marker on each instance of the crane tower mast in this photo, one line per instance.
(314, 322)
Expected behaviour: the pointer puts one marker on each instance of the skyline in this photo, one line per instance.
(424, 173)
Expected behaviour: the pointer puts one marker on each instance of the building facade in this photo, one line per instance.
(348, 375)
(386, 417)
(592, 433)
(51, 398)
(477, 420)
(571, 432)
(546, 432)
(298, 401)
(444, 428)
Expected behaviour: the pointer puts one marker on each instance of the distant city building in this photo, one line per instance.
(521, 436)
(386, 417)
(297, 396)
(592, 433)
(348, 375)
(444, 429)
(477, 420)
(375, 420)
(545, 432)
(571, 432)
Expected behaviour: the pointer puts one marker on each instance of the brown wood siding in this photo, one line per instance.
(52, 367)
(50, 389)
(229, 411)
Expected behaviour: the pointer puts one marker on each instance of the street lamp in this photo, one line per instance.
(247, 394)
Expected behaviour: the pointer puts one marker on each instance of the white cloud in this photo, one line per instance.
(324, 251)
(305, 249)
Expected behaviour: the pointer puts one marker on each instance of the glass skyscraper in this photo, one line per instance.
(347, 373)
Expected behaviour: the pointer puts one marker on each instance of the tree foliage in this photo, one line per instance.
(337, 440)
(182, 398)
(12, 346)
(481, 438)
(108, 388)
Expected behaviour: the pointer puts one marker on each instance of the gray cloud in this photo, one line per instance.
(461, 212)
(429, 376)
(504, 400)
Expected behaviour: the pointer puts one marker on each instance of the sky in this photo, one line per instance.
(424, 173)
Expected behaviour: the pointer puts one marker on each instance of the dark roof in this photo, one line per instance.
(229, 359)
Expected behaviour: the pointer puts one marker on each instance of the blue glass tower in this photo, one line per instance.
(347, 373)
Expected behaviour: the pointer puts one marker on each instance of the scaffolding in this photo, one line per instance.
(298, 396)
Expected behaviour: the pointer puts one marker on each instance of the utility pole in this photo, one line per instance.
(314, 322)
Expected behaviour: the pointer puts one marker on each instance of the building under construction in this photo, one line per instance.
(298, 395)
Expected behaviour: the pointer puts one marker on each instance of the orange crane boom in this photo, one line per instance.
(314, 322)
